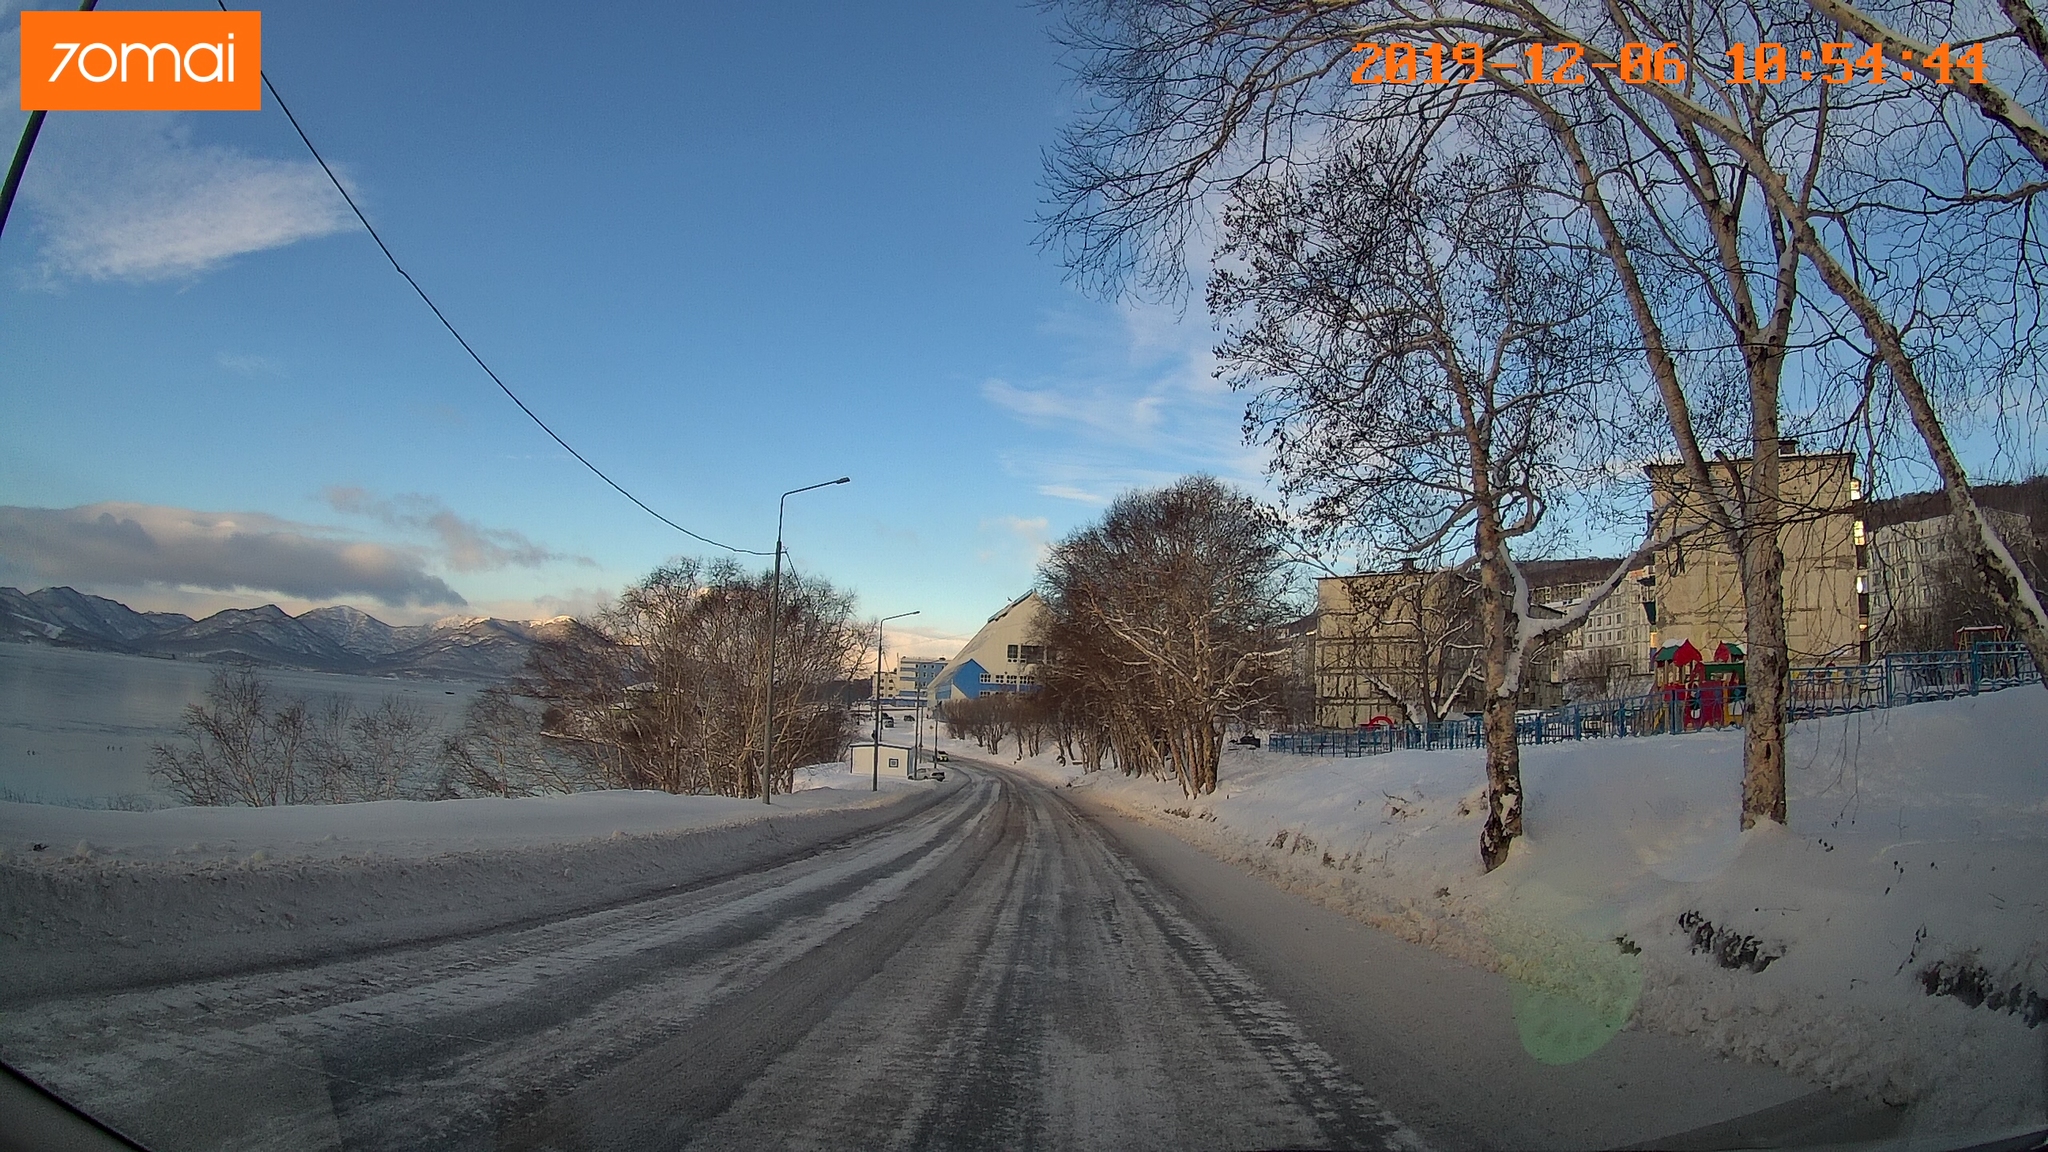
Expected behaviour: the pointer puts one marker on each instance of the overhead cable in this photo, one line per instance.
(438, 315)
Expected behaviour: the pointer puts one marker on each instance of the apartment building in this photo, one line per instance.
(1696, 592)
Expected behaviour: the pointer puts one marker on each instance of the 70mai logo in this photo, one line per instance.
(142, 61)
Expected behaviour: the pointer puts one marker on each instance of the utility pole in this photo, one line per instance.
(875, 762)
(29, 133)
(774, 611)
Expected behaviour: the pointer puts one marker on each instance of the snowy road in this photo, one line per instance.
(994, 970)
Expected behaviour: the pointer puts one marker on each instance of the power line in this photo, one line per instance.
(429, 301)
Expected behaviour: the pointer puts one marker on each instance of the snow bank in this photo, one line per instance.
(1892, 940)
(99, 899)
(387, 829)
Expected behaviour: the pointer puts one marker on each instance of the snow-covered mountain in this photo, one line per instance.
(332, 639)
(52, 612)
(362, 633)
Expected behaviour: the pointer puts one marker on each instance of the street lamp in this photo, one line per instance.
(775, 610)
(876, 762)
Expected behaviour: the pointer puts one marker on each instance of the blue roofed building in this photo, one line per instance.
(1003, 656)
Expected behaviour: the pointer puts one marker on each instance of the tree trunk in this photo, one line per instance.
(1208, 752)
(1767, 668)
(2007, 582)
(1503, 754)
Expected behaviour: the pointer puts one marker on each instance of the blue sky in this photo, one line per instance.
(725, 250)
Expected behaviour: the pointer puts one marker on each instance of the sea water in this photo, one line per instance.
(76, 727)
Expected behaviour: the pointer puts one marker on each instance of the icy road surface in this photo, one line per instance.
(1000, 969)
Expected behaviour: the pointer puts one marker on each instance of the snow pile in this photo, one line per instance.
(1893, 940)
(387, 829)
(98, 899)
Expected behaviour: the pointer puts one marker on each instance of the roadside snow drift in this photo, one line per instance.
(98, 899)
(1892, 940)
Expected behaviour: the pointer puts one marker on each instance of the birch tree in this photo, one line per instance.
(1191, 101)
(1429, 368)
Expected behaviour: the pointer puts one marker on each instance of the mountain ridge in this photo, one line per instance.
(336, 638)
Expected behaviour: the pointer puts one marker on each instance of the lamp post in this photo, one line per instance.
(775, 610)
(875, 762)
(917, 741)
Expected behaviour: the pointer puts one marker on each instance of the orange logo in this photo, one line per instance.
(142, 61)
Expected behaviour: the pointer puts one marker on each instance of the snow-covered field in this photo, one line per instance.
(1916, 859)
(94, 898)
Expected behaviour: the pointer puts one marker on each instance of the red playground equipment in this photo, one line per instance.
(1697, 692)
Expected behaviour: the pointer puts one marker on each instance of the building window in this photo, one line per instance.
(1030, 653)
(1013, 653)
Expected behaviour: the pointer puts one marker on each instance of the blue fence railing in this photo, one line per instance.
(1901, 678)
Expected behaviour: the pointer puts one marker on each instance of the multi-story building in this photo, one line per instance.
(1002, 657)
(1395, 647)
(1916, 564)
(1697, 591)
(914, 676)
(1609, 654)
(1403, 646)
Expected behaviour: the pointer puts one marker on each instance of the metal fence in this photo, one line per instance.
(1901, 678)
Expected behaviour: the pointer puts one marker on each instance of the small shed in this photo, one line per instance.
(895, 760)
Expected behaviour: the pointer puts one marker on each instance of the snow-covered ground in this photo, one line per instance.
(1916, 858)
(92, 897)
(395, 829)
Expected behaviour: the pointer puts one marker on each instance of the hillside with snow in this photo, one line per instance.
(1892, 940)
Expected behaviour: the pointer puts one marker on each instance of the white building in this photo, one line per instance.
(1911, 561)
(896, 760)
(1619, 626)
(1002, 657)
(914, 676)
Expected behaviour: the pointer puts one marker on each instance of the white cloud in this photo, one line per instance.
(130, 197)
(1101, 412)
(1069, 492)
(919, 643)
(1016, 537)
(467, 545)
(1139, 406)
(121, 545)
(249, 364)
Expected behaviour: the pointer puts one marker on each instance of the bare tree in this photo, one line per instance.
(500, 751)
(1192, 100)
(664, 689)
(241, 746)
(245, 744)
(1778, 162)
(386, 753)
(1428, 368)
(1184, 589)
